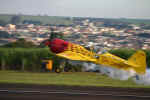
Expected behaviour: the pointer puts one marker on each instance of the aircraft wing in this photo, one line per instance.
(77, 52)
(75, 56)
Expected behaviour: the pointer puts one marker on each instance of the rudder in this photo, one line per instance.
(139, 59)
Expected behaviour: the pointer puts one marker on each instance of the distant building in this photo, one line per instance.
(11, 27)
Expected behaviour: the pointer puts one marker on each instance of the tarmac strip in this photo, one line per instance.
(13, 91)
(103, 93)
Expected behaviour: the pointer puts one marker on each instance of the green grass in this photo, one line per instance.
(70, 79)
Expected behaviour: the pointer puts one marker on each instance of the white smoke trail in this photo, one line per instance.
(143, 79)
(111, 72)
(120, 74)
(86, 66)
(116, 73)
(91, 67)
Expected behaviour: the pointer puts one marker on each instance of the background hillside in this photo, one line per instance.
(57, 20)
(43, 19)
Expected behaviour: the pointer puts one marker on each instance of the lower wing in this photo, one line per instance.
(76, 56)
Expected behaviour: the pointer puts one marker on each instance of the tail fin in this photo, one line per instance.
(139, 59)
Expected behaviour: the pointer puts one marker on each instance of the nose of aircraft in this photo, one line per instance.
(57, 45)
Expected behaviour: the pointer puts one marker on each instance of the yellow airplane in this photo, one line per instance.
(136, 62)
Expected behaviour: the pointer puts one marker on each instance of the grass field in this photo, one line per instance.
(71, 79)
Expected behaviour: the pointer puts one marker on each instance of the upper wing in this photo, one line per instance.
(77, 52)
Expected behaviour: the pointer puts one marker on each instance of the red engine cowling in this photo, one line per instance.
(57, 45)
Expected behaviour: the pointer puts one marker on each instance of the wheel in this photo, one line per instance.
(57, 70)
(66, 69)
